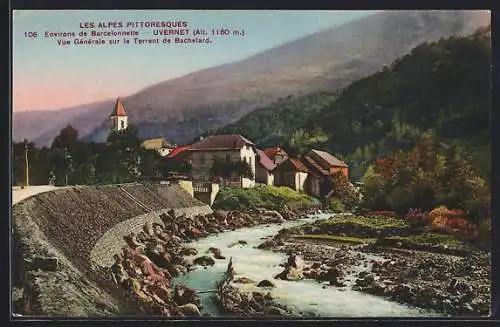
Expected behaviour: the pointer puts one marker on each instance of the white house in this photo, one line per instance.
(231, 148)
(160, 145)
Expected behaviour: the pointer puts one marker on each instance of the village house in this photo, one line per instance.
(180, 154)
(311, 173)
(329, 162)
(229, 148)
(264, 169)
(276, 154)
(322, 165)
(178, 162)
(160, 145)
(291, 173)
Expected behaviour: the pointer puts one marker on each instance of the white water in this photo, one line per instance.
(305, 296)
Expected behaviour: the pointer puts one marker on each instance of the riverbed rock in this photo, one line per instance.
(365, 281)
(204, 261)
(190, 310)
(216, 253)
(273, 216)
(310, 273)
(295, 261)
(290, 274)
(184, 294)
(243, 280)
(266, 283)
(274, 311)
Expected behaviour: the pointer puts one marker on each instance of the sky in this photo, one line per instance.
(47, 76)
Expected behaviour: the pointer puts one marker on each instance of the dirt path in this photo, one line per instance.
(19, 194)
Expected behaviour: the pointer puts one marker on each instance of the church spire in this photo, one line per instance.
(119, 109)
(118, 117)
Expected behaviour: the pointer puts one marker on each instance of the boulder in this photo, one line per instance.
(265, 283)
(290, 274)
(184, 295)
(244, 280)
(365, 281)
(190, 310)
(274, 311)
(217, 253)
(204, 261)
(295, 261)
(273, 216)
(187, 251)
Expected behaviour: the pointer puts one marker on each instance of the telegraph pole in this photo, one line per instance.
(26, 167)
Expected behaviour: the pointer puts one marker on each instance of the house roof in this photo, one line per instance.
(265, 161)
(295, 164)
(272, 152)
(156, 144)
(331, 160)
(178, 150)
(219, 142)
(119, 109)
(314, 166)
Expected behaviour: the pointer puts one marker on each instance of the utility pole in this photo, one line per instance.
(26, 167)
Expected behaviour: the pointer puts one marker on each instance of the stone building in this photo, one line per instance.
(229, 148)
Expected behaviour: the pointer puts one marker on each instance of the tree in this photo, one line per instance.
(230, 169)
(67, 136)
(342, 190)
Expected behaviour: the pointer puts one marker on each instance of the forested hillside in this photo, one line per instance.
(273, 125)
(442, 86)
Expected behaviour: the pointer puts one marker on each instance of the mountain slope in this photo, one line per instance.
(185, 107)
(442, 86)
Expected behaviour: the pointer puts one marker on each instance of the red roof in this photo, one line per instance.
(178, 150)
(216, 142)
(265, 161)
(119, 109)
(294, 164)
(272, 152)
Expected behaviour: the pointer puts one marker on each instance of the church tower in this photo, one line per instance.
(118, 117)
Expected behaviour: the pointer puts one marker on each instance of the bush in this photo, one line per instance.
(336, 205)
(266, 196)
(417, 218)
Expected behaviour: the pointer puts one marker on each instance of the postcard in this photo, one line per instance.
(251, 163)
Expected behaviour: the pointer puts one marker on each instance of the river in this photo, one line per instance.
(305, 296)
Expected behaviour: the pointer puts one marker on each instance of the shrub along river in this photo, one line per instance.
(305, 297)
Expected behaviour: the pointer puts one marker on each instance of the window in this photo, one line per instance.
(123, 124)
(202, 159)
(228, 157)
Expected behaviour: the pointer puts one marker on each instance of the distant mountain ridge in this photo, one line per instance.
(183, 108)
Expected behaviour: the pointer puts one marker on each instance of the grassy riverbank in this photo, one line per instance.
(268, 197)
(384, 232)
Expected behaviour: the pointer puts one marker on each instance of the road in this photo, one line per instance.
(19, 194)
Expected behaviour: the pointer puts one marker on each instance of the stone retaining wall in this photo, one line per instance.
(112, 241)
(66, 224)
